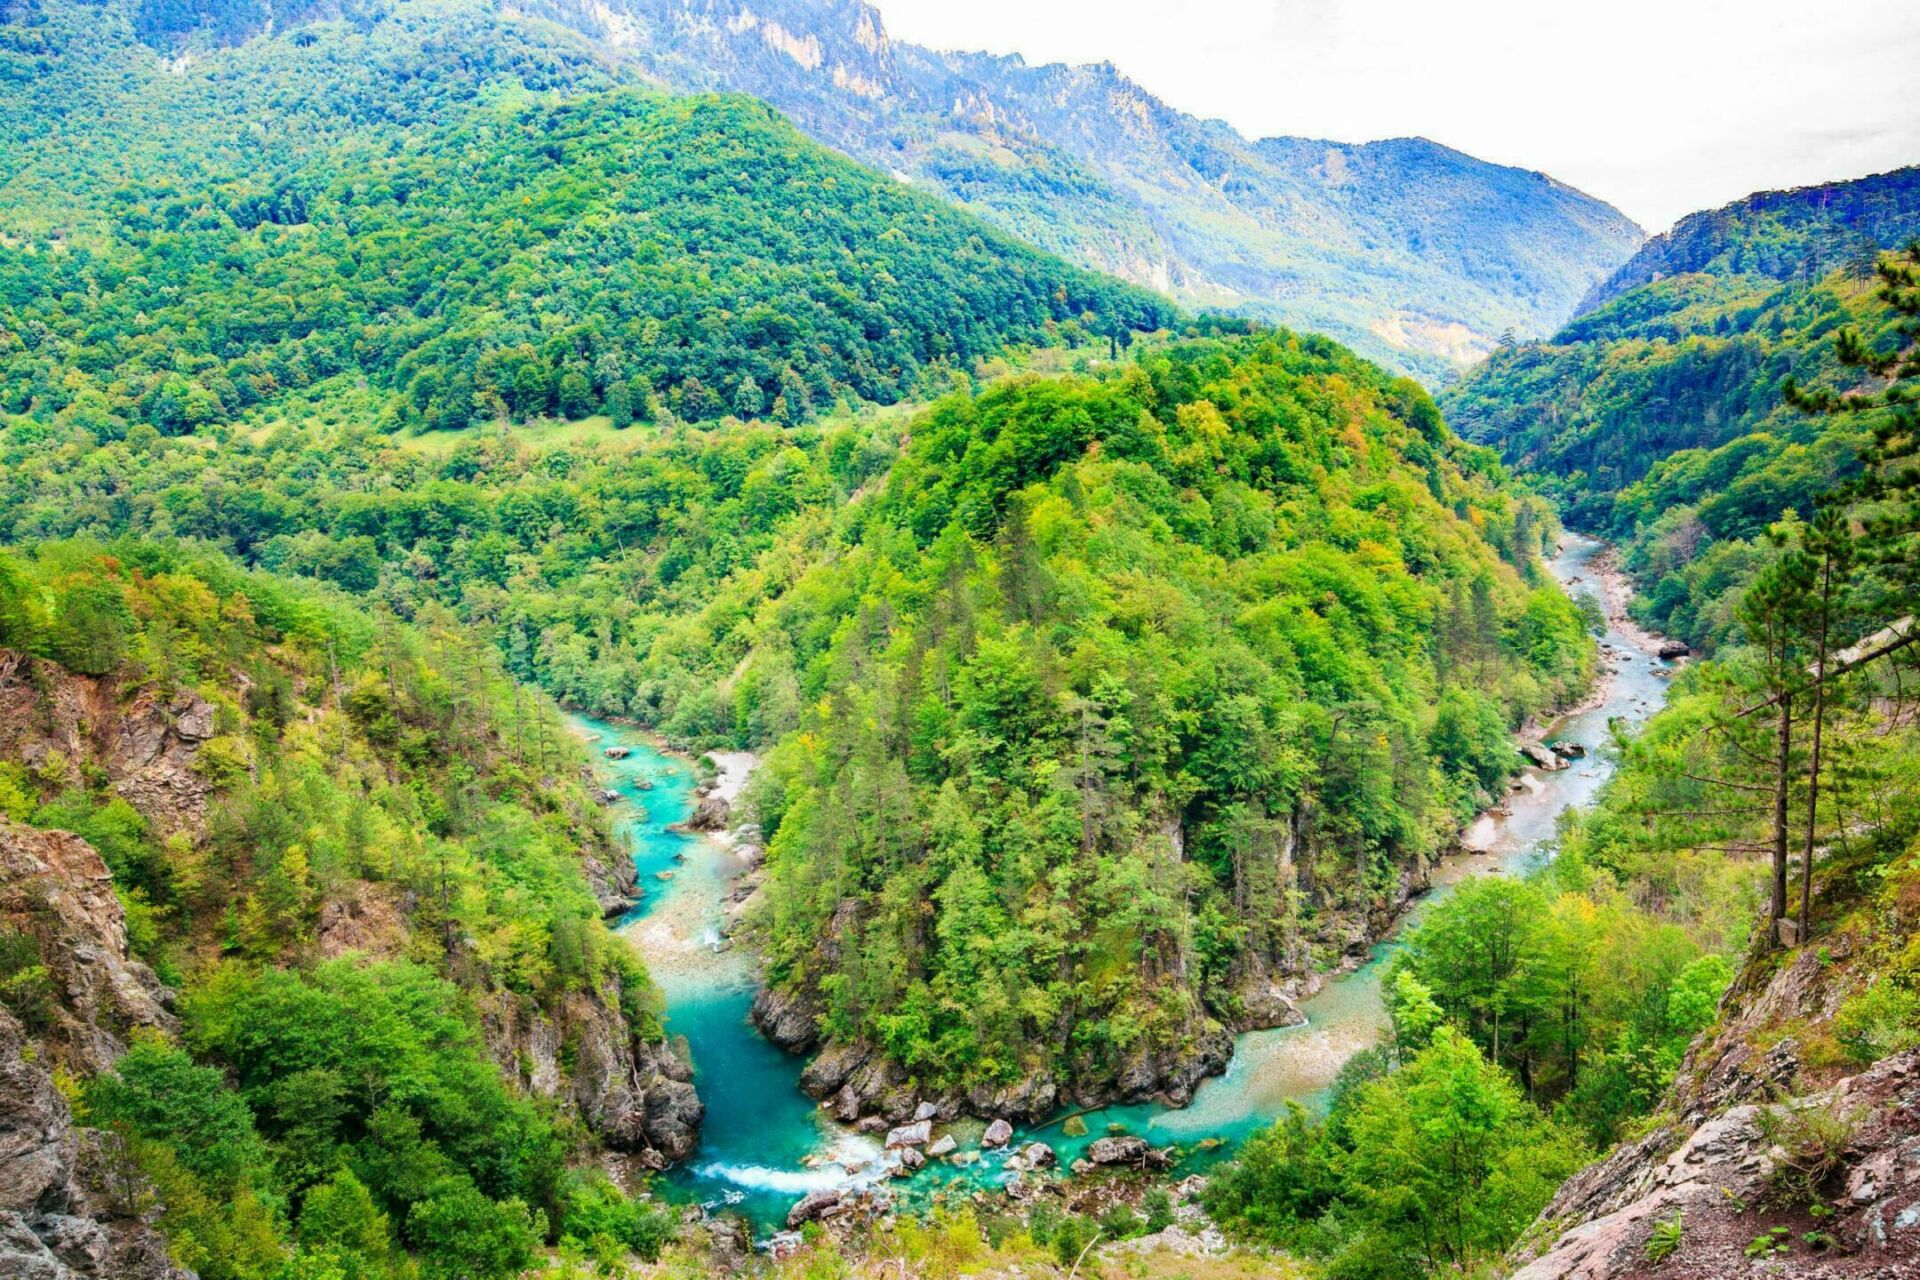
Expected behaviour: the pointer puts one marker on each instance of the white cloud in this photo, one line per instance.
(1660, 106)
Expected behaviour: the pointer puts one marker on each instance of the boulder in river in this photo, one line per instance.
(1670, 649)
(1074, 1127)
(925, 1111)
(1128, 1151)
(1038, 1155)
(917, 1134)
(942, 1145)
(813, 1205)
(998, 1134)
(1540, 757)
(711, 814)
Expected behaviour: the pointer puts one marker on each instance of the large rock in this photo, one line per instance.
(1541, 758)
(1028, 1100)
(1127, 1151)
(58, 1220)
(56, 890)
(788, 1016)
(917, 1134)
(1037, 1155)
(713, 813)
(998, 1134)
(813, 1205)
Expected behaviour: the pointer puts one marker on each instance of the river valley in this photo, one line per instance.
(765, 1143)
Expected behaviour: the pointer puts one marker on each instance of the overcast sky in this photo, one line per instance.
(1659, 106)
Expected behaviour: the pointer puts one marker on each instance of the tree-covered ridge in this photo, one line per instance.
(1125, 696)
(1800, 234)
(393, 840)
(1405, 249)
(102, 126)
(625, 254)
(1662, 420)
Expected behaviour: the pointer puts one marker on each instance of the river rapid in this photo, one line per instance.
(765, 1143)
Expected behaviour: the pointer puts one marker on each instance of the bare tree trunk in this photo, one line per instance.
(1782, 762)
(1813, 766)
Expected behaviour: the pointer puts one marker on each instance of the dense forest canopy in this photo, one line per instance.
(1661, 417)
(619, 254)
(1801, 234)
(1255, 530)
(1143, 682)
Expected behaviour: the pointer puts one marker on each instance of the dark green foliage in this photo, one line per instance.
(1800, 234)
(1671, 417)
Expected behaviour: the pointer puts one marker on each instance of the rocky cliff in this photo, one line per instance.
(1770, 1157)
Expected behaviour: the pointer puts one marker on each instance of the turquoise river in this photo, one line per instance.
(765, 1143)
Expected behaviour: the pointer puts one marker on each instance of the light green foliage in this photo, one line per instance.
(1437, 1165)
(1665, 1238)
(1584, 994)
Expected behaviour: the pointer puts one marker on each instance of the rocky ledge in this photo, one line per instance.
(857, 1083)
(56, 892)
(1756, 1171)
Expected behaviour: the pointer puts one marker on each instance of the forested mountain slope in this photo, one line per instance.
(1662, 414)
(370, 877)
(1160, 688)
(1406, 250)
(1800, 234)
(1333, 574)
(611, 252)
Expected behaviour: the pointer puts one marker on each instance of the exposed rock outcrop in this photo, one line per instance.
(636, 1094)
(58, 1219)
(790, 1017)
(146, 743)
(1721, 1185)
(56, 890)
(614, 879)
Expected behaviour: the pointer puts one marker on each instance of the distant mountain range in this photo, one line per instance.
(1413, 253)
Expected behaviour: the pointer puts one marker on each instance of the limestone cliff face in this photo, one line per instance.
(64, 1211)
(1752, 1137)
(636, 1094)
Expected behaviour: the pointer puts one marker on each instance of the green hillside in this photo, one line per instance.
(1150, 685)
(1660, 416)
(359, 872)
(618, 253)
